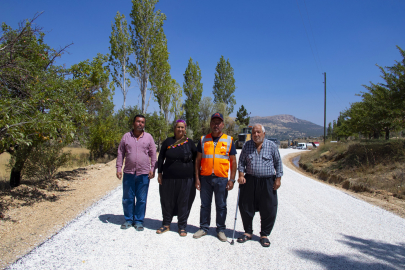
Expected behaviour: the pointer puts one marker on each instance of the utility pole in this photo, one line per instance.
(324, 111)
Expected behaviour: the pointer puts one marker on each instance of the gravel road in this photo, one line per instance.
(317, 227)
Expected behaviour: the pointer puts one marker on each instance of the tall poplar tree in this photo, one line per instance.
(176, 109)
(160, 78)
(121, 49)
(224, 84)
(192, 88)
(145, 26)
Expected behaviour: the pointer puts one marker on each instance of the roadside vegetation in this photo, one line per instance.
(45, 108)
(380, 113)
(362, 166)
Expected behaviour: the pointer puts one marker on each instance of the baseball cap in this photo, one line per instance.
(217, 115)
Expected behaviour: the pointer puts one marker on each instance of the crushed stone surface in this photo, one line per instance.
(317, 227)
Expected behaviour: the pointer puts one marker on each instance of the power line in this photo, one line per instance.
(313, 37)
(306, 32)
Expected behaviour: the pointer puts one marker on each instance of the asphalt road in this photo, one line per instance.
(317, 227)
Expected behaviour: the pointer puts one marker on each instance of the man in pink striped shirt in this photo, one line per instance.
(139, 150)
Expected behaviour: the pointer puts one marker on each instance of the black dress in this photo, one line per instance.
(177, 191)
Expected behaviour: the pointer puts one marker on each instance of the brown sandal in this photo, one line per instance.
(163, 229)
(182, 232)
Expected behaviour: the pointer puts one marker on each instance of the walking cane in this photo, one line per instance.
(236, 215)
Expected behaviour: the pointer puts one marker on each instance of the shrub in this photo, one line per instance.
(346, 184)
(43, 161)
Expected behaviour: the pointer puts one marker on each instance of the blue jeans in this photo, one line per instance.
(134, 187)
(216, 185)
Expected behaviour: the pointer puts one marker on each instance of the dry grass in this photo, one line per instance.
(4, 171)
(80, 158)
(34, 190)
(360, 166)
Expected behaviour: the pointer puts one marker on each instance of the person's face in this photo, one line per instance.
(216, 125)
(258, 134)
(139, 124)
(180, 130)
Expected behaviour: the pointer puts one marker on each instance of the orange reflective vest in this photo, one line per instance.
(215, 160)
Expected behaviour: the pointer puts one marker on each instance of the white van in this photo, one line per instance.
(301, 146)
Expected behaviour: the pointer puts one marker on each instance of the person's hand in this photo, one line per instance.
(241, 180)
(197, 184)
(151, 174)
(229, 185)
(277, 183)
(119, 175)
(160, 178)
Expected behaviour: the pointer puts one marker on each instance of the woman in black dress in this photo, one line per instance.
(176, 178)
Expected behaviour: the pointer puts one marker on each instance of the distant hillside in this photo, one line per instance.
(286, 126)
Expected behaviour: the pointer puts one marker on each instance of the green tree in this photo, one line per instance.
(156, 125)
(334, 129)
(386, 99)
(242, 117)
(381, 108)
(342, 127)
(205, 113)
(160, 79)
(30, 95)
(41, 103)
(146, 26)
(176, 109)
(224, 84)
(192, 88)
(103, 133)
(125, 119)
(329, 131)
(120, 49)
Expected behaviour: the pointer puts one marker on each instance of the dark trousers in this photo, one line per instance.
(210, 185)
(176, 198)
(257, 194)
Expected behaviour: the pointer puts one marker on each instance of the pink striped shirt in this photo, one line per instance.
(140, 155)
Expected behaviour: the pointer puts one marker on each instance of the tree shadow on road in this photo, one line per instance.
(391, 256)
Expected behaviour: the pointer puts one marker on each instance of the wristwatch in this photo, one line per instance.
(233, 180)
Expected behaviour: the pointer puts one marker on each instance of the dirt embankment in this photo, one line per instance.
(36, 213)
(380, 198)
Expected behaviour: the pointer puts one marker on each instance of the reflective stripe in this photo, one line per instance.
(204, 139)
(202, 143)
(228, 146)
(222, 157)
(207, 156)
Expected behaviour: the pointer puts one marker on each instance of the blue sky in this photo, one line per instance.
(278, 49)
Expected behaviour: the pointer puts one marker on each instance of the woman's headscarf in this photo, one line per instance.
(182, 140)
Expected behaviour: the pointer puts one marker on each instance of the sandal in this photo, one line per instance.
(182, 232)
(264, 242)
(244, 238)
(163, 229)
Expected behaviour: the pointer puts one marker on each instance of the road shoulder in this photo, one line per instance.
(24, 228)
(388, 203)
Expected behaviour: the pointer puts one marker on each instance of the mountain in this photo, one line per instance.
(286, 126)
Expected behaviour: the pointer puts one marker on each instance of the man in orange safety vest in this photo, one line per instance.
(216, 154)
